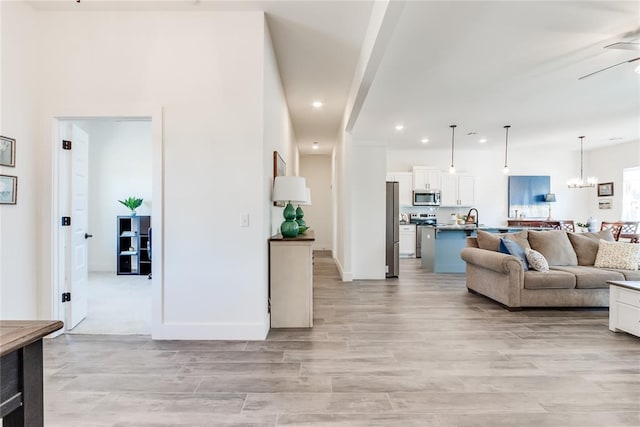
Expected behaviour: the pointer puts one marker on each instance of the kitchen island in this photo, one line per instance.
(441, 245)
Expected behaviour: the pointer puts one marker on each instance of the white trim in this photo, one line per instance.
(212, 331)
(346, 276)
(52, 300)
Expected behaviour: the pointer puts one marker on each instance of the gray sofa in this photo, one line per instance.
(572, 281)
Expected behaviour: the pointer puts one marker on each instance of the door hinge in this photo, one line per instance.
(66, 221)
(66, 296)
(66, 144)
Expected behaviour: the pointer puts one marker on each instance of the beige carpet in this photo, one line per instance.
(117, 305)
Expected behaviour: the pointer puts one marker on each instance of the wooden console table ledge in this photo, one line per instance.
(21, 402)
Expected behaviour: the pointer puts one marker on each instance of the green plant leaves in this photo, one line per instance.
(132, 202)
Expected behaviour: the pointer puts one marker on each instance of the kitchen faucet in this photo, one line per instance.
(477, 222)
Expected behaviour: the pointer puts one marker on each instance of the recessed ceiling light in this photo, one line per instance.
(399, 127)
(317, 104)
(424, 140)
(482, 140)
(315, 146)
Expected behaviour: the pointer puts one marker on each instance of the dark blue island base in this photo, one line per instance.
(441, 245)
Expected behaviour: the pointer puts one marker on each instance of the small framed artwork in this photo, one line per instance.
(7, 151)
(605, 203)
(8, 189)
(279, 169)
(605, 189)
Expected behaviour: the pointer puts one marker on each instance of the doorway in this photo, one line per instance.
(100, 299)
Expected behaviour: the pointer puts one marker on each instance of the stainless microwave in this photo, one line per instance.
(426, 197)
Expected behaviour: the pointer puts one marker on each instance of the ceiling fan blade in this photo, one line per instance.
(611, 66)
(624, 45)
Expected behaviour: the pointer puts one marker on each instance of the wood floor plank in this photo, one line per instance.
(414, 351)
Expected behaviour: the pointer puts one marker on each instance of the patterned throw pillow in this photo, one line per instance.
(537, 261)
(623, 256)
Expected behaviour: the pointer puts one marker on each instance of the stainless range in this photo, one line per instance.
(421, 220)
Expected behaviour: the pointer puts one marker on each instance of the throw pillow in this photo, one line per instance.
(554, 245)
(537, 261)
(520, 238)
(623, 256)
(512, 248)
(586, 245)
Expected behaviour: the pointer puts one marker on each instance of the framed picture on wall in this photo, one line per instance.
(605, 203)
(605, 189)
(7, 151)
(8, 189)
(279, 169)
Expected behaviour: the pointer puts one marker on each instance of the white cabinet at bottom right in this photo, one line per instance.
(457, 190)
(624, 308)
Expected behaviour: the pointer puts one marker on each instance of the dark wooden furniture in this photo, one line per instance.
(615, 227)
(132, 250)
(629, 231)
(554, 225)
(567, 225)
(21, 402)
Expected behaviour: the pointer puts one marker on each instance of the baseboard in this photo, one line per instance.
(344, 275)
(212, 331)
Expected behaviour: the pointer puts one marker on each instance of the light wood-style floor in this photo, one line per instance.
(416, 351)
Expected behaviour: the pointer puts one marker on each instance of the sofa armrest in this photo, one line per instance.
(496, 261)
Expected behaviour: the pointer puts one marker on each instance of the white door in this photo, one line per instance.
(77, 189)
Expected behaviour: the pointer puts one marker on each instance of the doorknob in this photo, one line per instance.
(86, 236)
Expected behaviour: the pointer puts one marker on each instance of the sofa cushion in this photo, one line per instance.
(619, 255)
(554, 245)
(488, 241)
(591, 277)
(551, 280)
(586, 245)
(536, 260)
(510, 247)
(491, 241)
(521, 238)
(628, 274)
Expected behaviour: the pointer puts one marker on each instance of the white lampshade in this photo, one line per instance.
(289, 188)
(307, 200)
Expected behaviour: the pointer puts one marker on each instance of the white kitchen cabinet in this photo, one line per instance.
(405, 184)
(425, 178)
(457, 190)
(408, 240)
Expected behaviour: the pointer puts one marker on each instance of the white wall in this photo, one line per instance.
(368, 207)
(316, 169)
(607, 164)
(119, 167)
(19, 111)
(206, 70)
(492, 184)
(278, 135)
(342, 194)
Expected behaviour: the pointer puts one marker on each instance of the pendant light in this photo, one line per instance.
(452, 169)
(579, 182)
(505, 170)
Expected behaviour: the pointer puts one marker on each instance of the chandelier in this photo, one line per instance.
(579, 182)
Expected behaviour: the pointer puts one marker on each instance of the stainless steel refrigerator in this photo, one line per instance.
(393, 229)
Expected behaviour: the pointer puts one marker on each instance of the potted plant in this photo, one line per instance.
(132, 203)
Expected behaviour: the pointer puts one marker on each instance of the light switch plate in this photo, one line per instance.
(244, 220)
